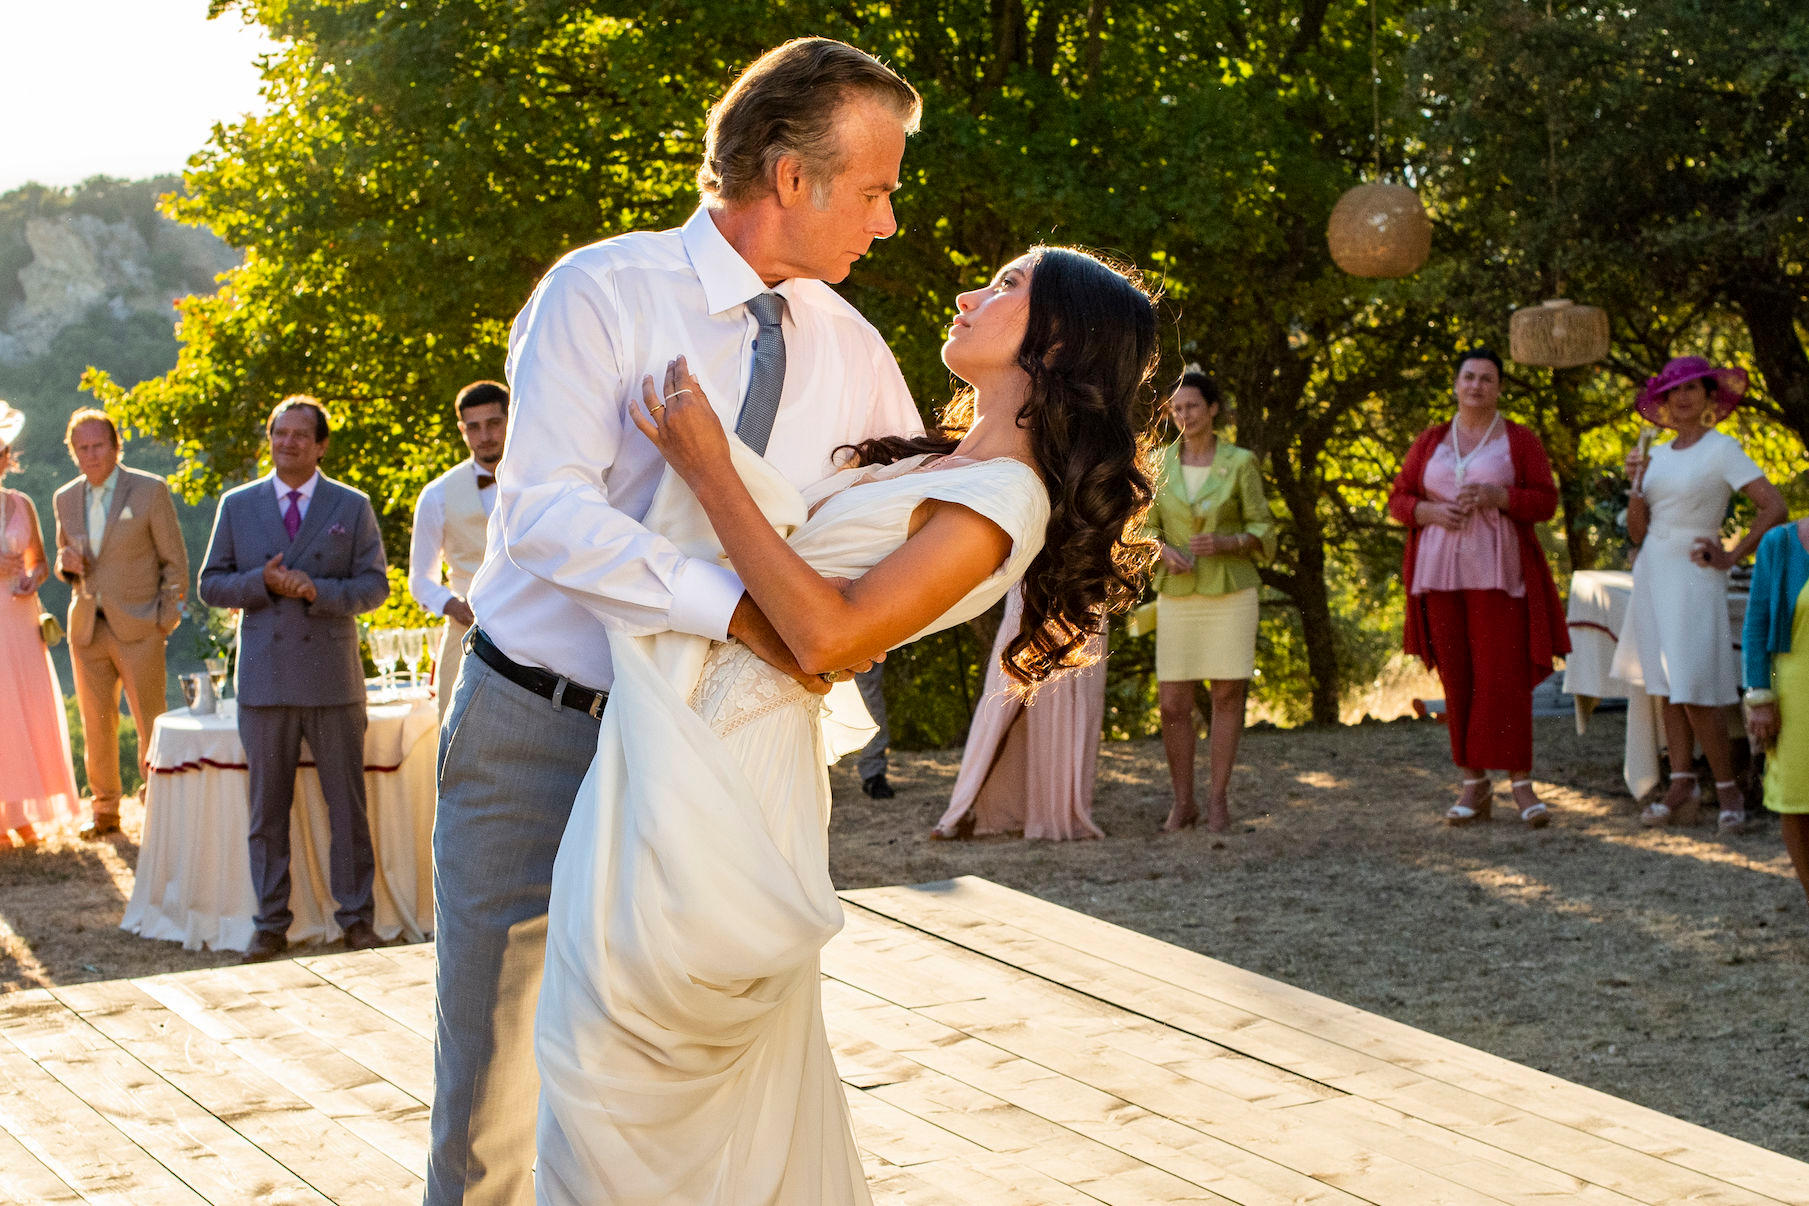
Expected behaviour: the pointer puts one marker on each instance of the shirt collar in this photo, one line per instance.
(306, 488)
(480, 471)
(727, 279)
(106, 486)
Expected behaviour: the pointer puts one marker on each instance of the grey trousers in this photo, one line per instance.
(873, 754)
(510, 766)
(272, 738)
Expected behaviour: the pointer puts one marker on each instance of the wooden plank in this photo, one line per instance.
(73, 1140)
(884, 958)
(1695, 1148)
(900, 1137)
(310, 1067)
(403, 991)
(209, 1156)
(1117, 1126)
(397, 1054)
(987, 1179)
(1513, 1179)
(1193, 989)
(319, 1151)
(24, 1180)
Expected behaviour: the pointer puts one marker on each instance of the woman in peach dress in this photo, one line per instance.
(37, 777)
(1029, 765)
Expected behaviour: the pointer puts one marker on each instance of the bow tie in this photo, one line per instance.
(485, 481)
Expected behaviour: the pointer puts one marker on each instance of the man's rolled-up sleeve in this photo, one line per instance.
(567, 421)
(426, 542)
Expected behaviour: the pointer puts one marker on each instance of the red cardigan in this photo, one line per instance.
(1532, 499)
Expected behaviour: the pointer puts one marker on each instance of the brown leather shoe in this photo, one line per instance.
(99, 827)
(359, 936)
(265, 946)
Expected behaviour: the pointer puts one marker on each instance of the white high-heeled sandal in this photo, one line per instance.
(1463, 814)
(1658, 814)
(1730, 820)
(1535, 815)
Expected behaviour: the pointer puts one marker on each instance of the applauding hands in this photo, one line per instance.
(293, 583)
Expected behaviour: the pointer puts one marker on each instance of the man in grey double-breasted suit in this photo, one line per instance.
(300, 555)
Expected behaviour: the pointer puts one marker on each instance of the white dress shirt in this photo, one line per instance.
(427, 540)
(568, 554)
(301, 504)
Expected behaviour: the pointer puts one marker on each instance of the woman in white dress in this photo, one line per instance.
(680, 1035)
(1677, 641)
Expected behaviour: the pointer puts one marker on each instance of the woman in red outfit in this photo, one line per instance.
(1481, 607)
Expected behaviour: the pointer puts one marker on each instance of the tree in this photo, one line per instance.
(423, 164)
(1648, 158)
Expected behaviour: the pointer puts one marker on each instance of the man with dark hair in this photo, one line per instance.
(120, 549)
(450, 517)
(800, 161)
(300, 555)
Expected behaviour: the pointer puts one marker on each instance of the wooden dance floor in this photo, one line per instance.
(996, 1049)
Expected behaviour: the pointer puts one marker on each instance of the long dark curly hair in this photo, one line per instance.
(1090, 352)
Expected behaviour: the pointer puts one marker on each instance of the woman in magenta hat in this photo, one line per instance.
(1677, 641)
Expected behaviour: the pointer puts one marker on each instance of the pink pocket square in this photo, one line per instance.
(338, 529)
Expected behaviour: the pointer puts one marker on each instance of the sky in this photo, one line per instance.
(125, 88)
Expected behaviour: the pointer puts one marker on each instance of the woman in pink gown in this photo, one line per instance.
(37, 777)
(1029, 767)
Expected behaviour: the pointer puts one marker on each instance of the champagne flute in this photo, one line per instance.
(384, 651)
(410, 639)
(216, 670)
(1646, 435)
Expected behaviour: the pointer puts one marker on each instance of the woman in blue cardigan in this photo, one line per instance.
(1775, 657)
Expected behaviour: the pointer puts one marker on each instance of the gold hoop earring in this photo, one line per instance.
(1707, 417)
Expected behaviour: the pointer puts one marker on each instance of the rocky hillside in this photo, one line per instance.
(65, 253)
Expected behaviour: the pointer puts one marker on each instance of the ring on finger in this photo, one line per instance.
(675, 393)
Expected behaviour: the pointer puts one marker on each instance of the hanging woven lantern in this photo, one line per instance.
(1558, 334)
(1379, 230)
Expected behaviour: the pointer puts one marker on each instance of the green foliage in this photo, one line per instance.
(423, 165)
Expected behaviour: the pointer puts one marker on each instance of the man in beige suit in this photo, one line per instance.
(450, 521)
(120, 549)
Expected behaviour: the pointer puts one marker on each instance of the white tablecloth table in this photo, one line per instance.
(194, 874)
(1597, 610)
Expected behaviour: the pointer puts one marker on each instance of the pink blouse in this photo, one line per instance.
(1485, 553)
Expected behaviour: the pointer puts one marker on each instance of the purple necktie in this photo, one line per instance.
(292, 516)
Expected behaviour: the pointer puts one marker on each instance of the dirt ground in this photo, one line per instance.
(1669, 968)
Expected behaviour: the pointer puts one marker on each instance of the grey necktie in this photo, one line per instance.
(767, 381)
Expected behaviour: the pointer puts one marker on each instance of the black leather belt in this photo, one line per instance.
(543, 683)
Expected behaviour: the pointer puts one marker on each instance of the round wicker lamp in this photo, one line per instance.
(1558, 334)
(1379, 230)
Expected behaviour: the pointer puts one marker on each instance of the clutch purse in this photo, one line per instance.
(50, 629)
(1142, 621)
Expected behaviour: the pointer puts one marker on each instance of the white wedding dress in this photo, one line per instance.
(680, 1038)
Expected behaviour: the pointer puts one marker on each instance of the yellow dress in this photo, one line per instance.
(1787, 766)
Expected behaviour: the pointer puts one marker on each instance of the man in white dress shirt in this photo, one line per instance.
(801, 157)
(450, 518)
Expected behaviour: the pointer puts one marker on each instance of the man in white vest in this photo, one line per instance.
(450, 519)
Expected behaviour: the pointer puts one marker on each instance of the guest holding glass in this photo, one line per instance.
(1211, 520)
(1481, 607)
(1774, 651)
(37, 776)
(1677, 640)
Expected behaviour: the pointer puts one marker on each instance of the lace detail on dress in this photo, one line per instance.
(737, 688)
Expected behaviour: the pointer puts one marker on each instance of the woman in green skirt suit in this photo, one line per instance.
(1212, 521)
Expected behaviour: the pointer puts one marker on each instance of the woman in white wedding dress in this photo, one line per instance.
(680, 1035)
